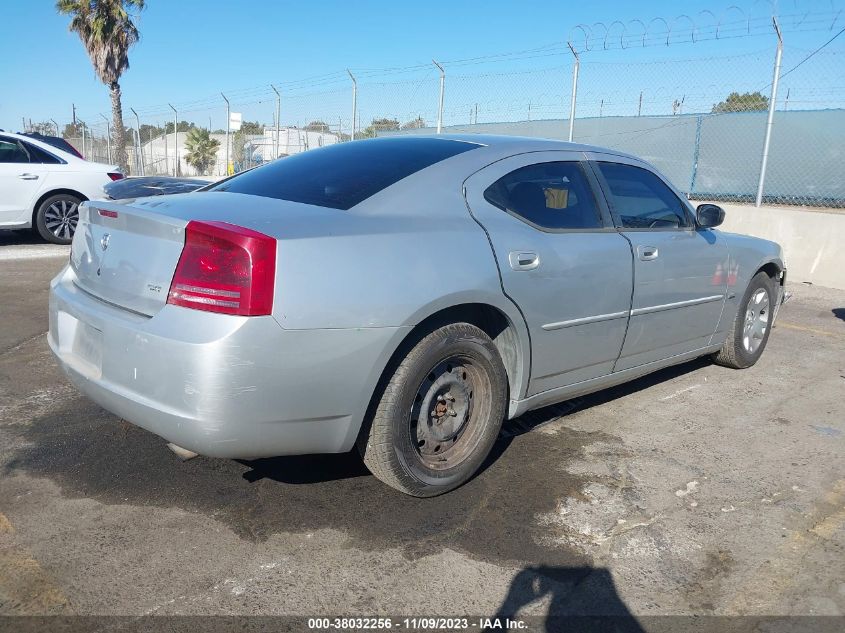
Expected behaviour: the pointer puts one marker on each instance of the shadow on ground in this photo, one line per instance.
(839, 313)
(580, 599)
(90, 454)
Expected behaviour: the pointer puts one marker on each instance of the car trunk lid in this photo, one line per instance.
(126, 255)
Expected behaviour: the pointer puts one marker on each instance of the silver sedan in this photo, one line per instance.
(403, 296)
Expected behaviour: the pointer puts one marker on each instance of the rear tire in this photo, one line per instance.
(752, 325)
(56, 218)
(440, 413)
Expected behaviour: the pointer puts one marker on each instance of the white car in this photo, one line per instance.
(41, 186)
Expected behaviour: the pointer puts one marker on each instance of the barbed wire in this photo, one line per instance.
(732, 22)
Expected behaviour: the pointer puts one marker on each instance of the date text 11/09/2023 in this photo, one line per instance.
(417, 624)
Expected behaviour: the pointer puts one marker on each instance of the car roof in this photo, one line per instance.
(519, 144)
(55, 141)
(43, 145)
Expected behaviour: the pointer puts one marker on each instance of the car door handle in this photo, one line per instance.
(28, 176)
(647, 253)
(522, 260)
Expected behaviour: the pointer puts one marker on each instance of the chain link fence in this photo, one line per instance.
(682, 94)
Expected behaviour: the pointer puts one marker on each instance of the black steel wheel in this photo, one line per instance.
(439, 413)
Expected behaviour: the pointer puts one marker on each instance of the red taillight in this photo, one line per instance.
(115, 175)
(225, 268)
(106, 213)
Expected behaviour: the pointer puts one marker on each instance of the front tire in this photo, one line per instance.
(752, 325)
(439, 414)
(56, 218)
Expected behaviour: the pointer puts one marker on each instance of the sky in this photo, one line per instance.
(191, 50)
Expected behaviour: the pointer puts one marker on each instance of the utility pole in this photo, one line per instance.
(640, 107)
(442, 89)
(73, 107)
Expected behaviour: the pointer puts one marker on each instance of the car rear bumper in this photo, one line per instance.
(218, 385)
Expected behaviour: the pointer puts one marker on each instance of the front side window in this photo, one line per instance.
(640, 199)
(547, 195)
(12, 152)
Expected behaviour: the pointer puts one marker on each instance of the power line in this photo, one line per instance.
(819, 49)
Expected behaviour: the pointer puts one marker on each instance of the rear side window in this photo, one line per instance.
(340, 176)
(640, 199)
(38, 155)
(548, 195)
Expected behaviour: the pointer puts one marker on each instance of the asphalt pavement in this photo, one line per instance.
(696, 490)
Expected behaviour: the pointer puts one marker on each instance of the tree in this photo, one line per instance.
(416, 124)
(45, 127)
(202, 149)
(74, 130)
(184, 126)
(317, 126)
(150, 131)
(251, 127)
(107, 33)
(747, 101)
(376, 126)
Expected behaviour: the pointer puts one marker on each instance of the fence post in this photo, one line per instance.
(575, 69)
(175, 140)
(108, 136)
(771, 116)
(354, 102)
(442, 88)
(695, 153)
(139, 153)
(278, 114)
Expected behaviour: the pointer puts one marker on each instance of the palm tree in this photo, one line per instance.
(107, 33)
(202, 149)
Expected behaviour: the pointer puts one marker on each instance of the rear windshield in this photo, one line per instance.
(340, 176)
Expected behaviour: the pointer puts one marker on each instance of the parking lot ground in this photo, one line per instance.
(697, 490)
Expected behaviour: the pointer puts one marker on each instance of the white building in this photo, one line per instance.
(290, 141)
(160, 154)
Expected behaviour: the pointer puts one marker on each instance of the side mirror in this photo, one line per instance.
(708, 216)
